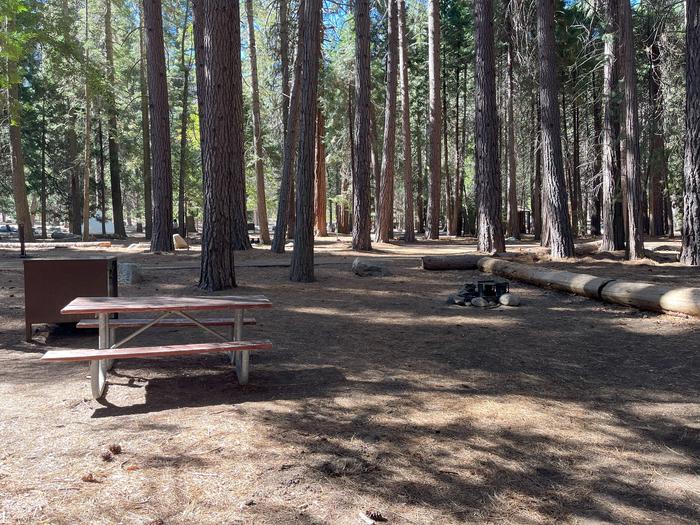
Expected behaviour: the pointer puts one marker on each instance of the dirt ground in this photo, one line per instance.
(377, 395)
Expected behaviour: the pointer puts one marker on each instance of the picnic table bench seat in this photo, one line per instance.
(172, 322)
(90, 354)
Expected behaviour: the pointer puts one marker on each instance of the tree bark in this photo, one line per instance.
(630, 144)
(145, 131)
(376, 161)
(657, 167)
(513, 228)
(87, 137)
(362, 132)
(286, 201)
(19, 184)
(537, 208)
(284, 61)
(223, 155)
(112, 134)
(575, 168)
(71, 160)
(488, 178)
(162, 184)
(613, 232)
(561, 240)
(101, 188)
(690, 253)
(43, 167)
(320, 195)
(596, 185)
(386, 212)
(257, 131)
(409, 220)
(184, 117)
(302, 264)
(420, 203)
(434, 119)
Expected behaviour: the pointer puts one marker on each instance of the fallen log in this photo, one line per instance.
(648, 296)
(645, 296)
(576, 283)
(450, 262)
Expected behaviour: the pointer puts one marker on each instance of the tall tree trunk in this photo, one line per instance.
(537, 170)
(611, 219)
(409, 231)
(575, 168)
(112, 142)
(460, 146)
(630, 144)
(75, 209)
(420, 203)
(223, 154)
(101, 159)
(162, 183)
(87, 137)
(346, 226)
(596, 184)
(184, 118)
(434, 119)
(657, 167)
(561, 240)
(286, 201)
(488, 177)
(320, 195)
(284, 61)
(302, 264)
(690, 253)
(43, 166)
(257, 132)
(376, 161)
(513, 228)
(71, 160)
(361, 148)
(386, 212)
(146, 130)
(446, 163)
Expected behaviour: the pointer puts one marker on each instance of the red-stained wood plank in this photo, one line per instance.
(164, 323)
(98, 305)
(89, 354)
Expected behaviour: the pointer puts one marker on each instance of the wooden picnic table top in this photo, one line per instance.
(109, 305)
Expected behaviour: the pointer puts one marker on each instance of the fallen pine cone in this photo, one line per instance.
(106, 456)
(375, 515)
(115, 449)
(88, 478)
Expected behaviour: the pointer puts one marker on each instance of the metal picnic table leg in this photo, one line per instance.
(97, 367)
(242, 357)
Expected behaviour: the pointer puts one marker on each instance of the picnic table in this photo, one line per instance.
(164, 307)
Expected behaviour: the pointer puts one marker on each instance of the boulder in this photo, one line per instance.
(480, 302)
(179, 242)
(367, 268)
(509, 299)
(128, 273)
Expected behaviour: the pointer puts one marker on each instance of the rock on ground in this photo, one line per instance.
(128, 273)
(365, 268)
(179, 242)
(509, 299)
